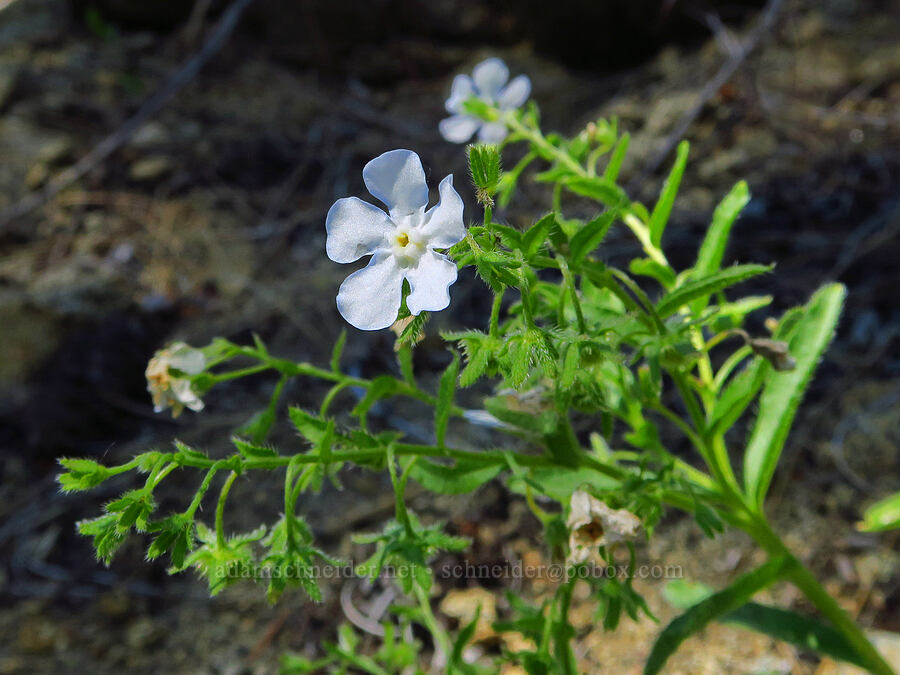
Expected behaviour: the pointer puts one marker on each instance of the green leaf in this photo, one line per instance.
(252, 450)
(684, 594)
(456, 479)
(337, 351)
(647, 267)
(507, 408)
(559, 482)
(796, 629)
(611, 173)
(456, 662)
(883, 515)
(310, 427)
(446, 389)
(599, 189)
(510, 236)
(737, 395)
(187, 452)
(711, 609)
(780, 624)
(381, 387)
(534, 237)
(663, 208)
(784, 390)
(82, 474)
(703, 288)
(589, 237)
(709, 259)
(107, 537)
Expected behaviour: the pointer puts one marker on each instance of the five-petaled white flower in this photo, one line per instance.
(401, 242)
(488, 83)
(170, 389)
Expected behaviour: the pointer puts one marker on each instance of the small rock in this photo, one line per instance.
(37, 175)
(152, 133)
(54, 149)
(37, 636)
(144, 633)
(151, 168)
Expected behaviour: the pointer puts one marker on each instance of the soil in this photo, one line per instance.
(210, 222)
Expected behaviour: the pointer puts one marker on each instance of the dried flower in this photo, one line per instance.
(173, 389)
(401, 242)
(593, 524)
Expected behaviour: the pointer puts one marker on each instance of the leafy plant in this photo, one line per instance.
(575, 349)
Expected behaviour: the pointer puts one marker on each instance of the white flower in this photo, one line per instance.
(488, 83)
(401, 242)
(592, 524)
(172, 390)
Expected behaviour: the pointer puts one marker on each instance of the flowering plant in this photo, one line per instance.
(588, 363)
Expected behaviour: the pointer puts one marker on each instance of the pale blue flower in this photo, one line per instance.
(402, 242)
(489, 84)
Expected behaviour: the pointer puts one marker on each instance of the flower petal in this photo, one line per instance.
(430, 282)
(515, 93)
(443, 225)
(369, 299)
(492, 132)
(490, 76)
(187, 359)
(462, 88)
(355, 228)
(398, 179)
(458, 128)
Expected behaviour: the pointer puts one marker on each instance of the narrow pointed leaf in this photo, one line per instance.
(709, 259)
(663, 208)
(784, 390)
(711, 609)
(703, 288)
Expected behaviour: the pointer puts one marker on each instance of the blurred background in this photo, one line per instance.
(208, 220)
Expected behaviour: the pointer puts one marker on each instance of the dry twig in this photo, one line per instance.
(709, 90)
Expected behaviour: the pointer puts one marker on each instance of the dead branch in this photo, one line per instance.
(740, 54)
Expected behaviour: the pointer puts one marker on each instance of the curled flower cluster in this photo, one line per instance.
(173, 389)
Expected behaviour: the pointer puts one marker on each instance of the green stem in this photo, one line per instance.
(220, 509)
(564, 651)
(642, 234)
(441, 639)
(494, 326)
(569, 281)
(201, 492)
(544, 147)
(730, 364)
(803, 579)
(243, 372)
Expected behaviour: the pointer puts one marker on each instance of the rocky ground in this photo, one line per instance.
(210, 222)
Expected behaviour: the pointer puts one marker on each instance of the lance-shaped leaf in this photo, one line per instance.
(783, 390)
(712, 608)
(663, 208)
(709, 259)
(703, 288)
(883, 515)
